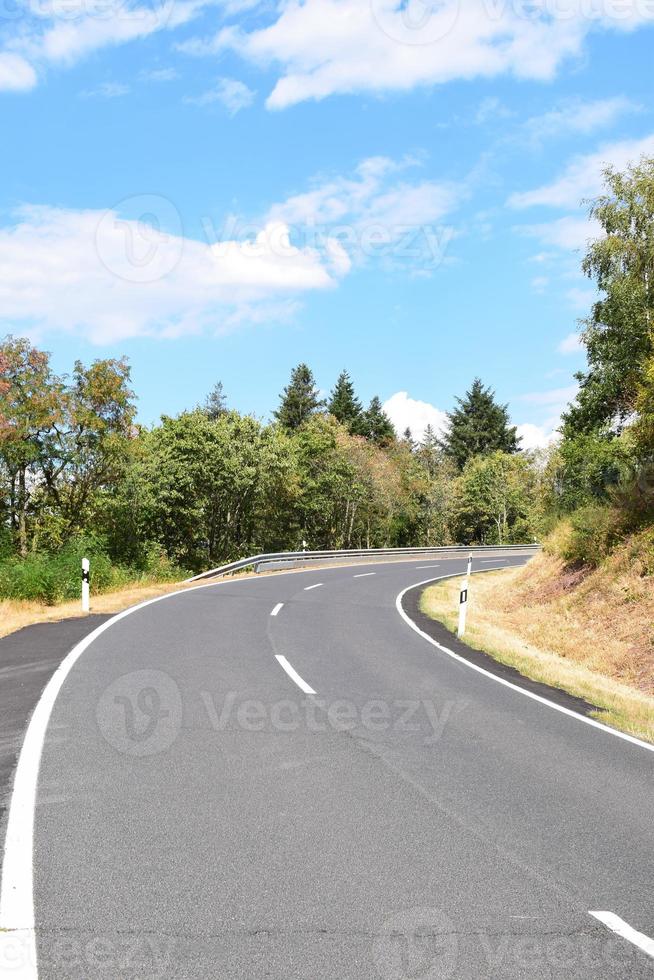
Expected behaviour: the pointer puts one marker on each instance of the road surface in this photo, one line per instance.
(277, 777)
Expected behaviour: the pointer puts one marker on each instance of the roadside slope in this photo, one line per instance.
(585, 631)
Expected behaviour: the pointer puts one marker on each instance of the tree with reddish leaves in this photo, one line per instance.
(61, 440)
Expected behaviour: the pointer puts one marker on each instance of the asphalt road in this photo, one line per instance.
(201, 815)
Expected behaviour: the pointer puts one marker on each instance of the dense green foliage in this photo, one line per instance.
(211, 485)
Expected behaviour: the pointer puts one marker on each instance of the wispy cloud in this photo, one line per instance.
(107, 90)
(571, 344)
(55, 38)
(583, 177)
(231, 93)
(159, 75)
(577, 116)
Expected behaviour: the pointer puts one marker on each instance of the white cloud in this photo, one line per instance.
(325, 47)
(110, 278)
(581, 299)
(567, 233)
(229, 92)
(159, 74)
(16, 74)
(404, 411)
(62, 35)
(535, 436)
(571, 344)
(577, 116)
(107, 90)
(582, 177)
(555, 398)
(377, 213)
(492, 109)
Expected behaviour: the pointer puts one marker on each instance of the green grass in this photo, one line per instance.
(55, 577)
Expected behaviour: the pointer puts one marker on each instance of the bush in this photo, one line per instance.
(55, 577)
(587, 536)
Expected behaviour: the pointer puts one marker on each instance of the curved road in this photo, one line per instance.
(201, 814)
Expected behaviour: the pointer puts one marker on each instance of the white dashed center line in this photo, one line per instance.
(309, 587)
(293, 674)
(364, 574)
(622, 928)
(277, 608)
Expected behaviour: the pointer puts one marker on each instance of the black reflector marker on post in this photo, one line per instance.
(86, 578)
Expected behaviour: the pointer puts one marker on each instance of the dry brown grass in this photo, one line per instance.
(15, 614)
(589, 633)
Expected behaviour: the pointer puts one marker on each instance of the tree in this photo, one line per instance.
(62, 442)
(30, 405)
(344, 405)
(495, 499)
(407, 437)
(619, 334)
(212, 490)
(85, 454)
(478, 426)
(300, 399)
(376, 425)
(215, 403)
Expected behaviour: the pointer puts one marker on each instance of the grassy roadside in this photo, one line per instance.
(536, 620)
(17, 613)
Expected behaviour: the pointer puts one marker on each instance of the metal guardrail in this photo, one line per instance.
(360, 556)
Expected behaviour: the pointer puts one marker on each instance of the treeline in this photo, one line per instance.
(78, 474)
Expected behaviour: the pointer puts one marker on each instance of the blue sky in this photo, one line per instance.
(220, 190)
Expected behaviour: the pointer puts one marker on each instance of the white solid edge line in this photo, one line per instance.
(293, 674)
(277, 608)
(17, 922)
(364, 574)
(622, 928)
(308, 588)
(501, 680)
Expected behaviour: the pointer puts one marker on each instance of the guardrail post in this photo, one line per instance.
(463, 605)
(85, 584)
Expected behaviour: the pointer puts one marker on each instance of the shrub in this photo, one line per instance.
(588, 535)
(53, 577)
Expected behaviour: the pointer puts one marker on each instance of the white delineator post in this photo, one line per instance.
(469, 571)
(463, 605)
(85, 584)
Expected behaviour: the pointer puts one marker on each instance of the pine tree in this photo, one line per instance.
(478, 426)
(344, 405)
(407, 438)
(215, 404)
(299, 400)
(429, 438)
(376, 425)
